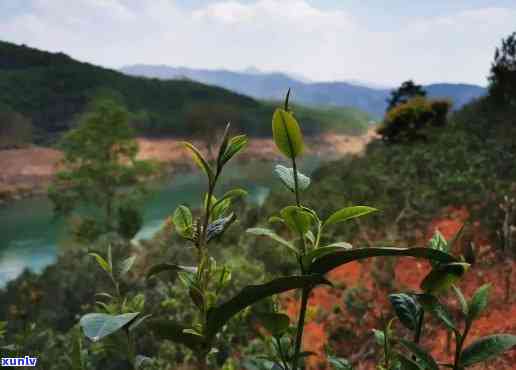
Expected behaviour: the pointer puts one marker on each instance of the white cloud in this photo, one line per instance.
(288, 35)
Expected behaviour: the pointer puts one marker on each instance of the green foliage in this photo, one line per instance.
(130, 221)
(15, 130)
(348, 213)
(306, 227)
(486, 348)
(98, 325)
(51, 89)
(410, 121)
(407, 309)
(286, 133)
(410, 309)
(404, 93)
(443, 277)
(276, 323)
(478, 302)
(101, 169)
(502, 79)
(286, 176)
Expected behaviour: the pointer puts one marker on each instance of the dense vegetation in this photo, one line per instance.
(52, 89)
(464, 164)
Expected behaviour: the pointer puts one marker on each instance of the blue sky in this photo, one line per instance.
(384, 42)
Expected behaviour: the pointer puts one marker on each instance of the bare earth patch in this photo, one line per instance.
(29, 171)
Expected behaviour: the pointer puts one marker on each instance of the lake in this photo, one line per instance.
(31, 238)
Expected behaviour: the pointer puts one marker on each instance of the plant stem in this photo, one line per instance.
(281, 353)
(300, 326)
(296, 186)
(130, 346)
(419, 328)
(207, 212)
(459, 343)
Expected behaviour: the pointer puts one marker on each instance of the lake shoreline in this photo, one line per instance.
(28, 172)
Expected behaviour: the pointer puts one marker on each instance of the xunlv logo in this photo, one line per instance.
(19, 361)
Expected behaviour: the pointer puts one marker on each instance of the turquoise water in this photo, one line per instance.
(30, 237)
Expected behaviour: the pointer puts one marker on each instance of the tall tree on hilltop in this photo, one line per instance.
(502, 79)
(404, 93)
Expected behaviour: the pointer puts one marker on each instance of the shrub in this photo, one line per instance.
(407, 121)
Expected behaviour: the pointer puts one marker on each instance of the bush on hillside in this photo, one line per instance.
(408, 121)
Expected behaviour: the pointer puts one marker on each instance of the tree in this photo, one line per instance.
(101, 169)
(407, 121)
(15, 129)
(405, 92)
(502, 79)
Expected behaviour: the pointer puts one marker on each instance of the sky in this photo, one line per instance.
(378, 41)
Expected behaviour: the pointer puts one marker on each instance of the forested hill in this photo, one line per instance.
(264, 85)
(52, 88)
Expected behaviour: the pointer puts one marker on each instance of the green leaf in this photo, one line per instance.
(274, 219)
(407, 309)
(297, 219)
(478, 302)
(218, 227)
(161, 267)
(379, 337)
(200, 161)
(276, 323)
(431, 304)
(426, 359)
(140, 361)
(183, 221)
(99, 325)
(235, 145)
(486, 348)
(101, 262)
(192, 331)
(219, 315)
(286, 176)
(136, 323)
(223, 146)
(310, 236)
(443, 277)
(170, 330)
(272, 235)
(330, 261)
(126, 265)
(232, 194)
(438, 242)
(406, 363)
(338, 363)
(286, 133)
(308, 258)
(348, 213)
(462, 300)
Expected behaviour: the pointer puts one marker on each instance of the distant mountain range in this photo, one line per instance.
(272, 86)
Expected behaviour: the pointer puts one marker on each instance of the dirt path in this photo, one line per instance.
(29, 171)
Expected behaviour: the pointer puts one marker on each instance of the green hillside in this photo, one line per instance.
(52, 88)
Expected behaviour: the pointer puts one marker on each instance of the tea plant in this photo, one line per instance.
(314, 255)
(118, 311)
(411, 307)
(205, 281)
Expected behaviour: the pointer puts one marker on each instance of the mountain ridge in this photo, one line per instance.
(272, 86)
